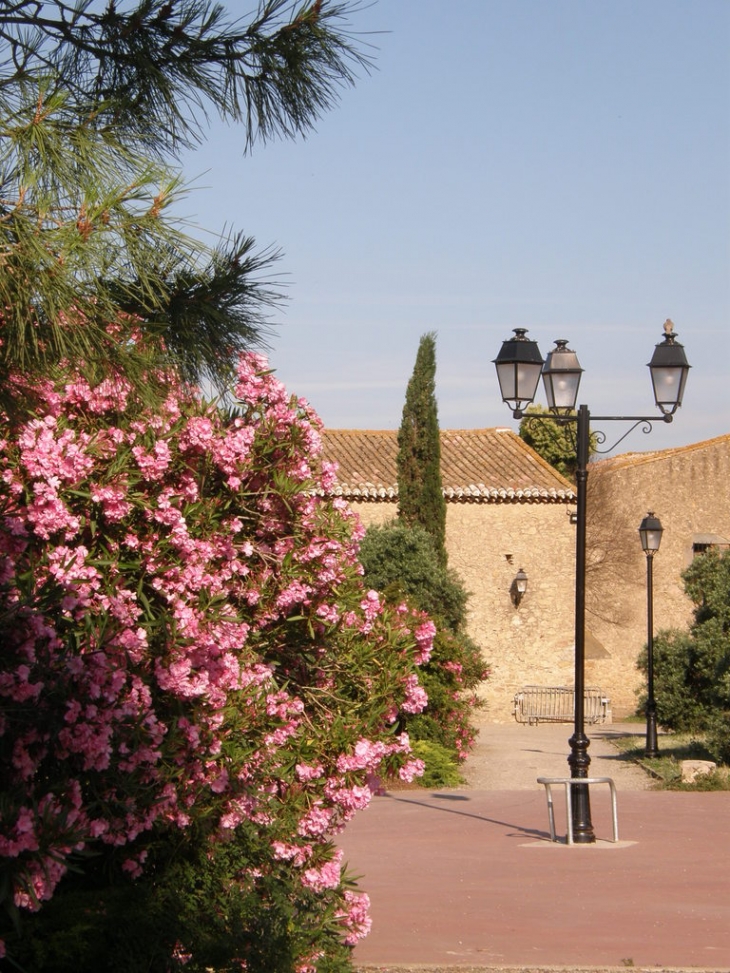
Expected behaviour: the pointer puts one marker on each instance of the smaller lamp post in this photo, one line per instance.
(650, 532)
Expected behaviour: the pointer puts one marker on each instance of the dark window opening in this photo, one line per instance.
(705, 543)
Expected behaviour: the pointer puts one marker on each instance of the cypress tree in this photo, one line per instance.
(420, 495)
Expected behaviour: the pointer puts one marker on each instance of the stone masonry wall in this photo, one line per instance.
(487, 544)
(689, 490)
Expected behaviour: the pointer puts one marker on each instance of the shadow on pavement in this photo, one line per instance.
(517, 831)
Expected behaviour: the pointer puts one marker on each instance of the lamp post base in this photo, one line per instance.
(580, 800)
(652, 747)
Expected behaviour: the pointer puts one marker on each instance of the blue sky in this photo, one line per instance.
(557, 165)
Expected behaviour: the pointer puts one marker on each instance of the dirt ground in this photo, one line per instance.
(524, 969)
(510, 756)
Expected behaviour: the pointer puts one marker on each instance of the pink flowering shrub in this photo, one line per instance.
(194, 680)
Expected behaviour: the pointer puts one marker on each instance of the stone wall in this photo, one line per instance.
(487, 544)
(689, 490)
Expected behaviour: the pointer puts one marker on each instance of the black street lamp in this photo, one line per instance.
(650, 532)
(519, 365)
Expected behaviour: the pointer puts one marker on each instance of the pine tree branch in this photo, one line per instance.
(93, 100)
(160, 67)
(84, 234)
(209, 314)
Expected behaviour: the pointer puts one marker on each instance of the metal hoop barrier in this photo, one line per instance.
(568, 782)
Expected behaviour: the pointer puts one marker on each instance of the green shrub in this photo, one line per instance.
(718, 738)
(402, 563)
(126, 928)
(680, 683)
(441, 768)
(692, 669)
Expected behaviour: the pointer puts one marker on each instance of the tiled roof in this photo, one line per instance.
(625, 460)
(477, 465)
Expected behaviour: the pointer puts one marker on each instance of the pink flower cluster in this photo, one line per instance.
(187, 635)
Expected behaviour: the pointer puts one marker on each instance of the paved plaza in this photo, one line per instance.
(469, 877)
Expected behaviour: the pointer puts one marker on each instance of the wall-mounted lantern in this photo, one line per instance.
(518, 587)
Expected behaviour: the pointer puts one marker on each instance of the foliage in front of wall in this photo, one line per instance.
(680, 683)
(401, 562)
(692, 669)
(397, 556)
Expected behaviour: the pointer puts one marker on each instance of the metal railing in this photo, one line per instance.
(556, 704)
(569, 782)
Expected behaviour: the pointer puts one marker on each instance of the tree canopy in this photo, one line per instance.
(552, 439)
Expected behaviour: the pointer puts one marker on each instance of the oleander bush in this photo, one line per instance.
(198, 690)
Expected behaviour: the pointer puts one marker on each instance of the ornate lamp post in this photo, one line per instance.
(650, 532)
(519, 366)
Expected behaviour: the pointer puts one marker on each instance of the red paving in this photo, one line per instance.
(470, 878)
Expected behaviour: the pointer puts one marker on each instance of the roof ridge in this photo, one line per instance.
(638, 458)
(469, 430)
(485, 462)
(360, 432)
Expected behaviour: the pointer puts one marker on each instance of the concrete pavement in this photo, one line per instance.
(469, 878)
(510, 756)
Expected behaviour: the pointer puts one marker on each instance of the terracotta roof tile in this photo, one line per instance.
(492, 465)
